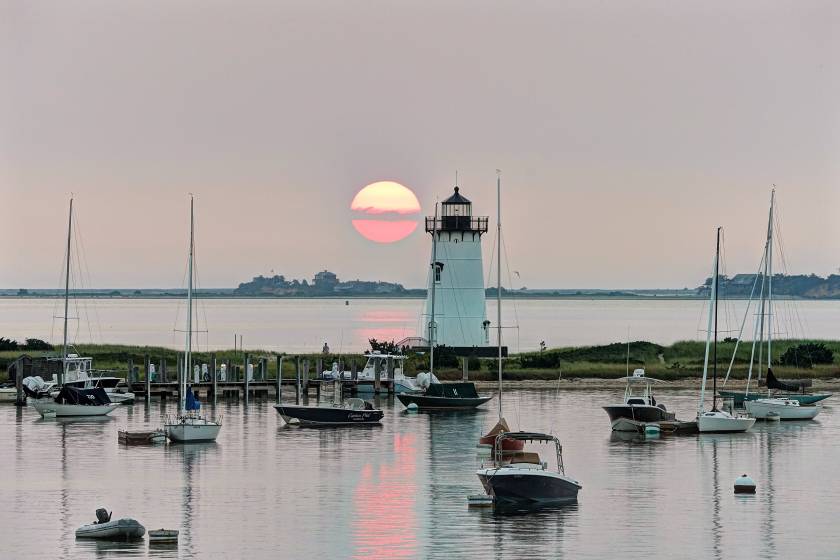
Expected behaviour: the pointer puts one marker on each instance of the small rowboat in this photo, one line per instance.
(140, 437)
(163, 536)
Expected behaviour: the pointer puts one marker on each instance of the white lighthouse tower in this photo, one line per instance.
(455, 314)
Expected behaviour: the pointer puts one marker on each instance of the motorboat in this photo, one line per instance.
(782, 409)
(190, 425)
(107, 529)
(349, 413)
(445, 396)
(716, 420)
(639, 405)
(378, 361)
(522, 478)
(71, 402)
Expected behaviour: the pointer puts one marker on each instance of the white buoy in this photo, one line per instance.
(651, 429)
(412, 407)
(744, 485)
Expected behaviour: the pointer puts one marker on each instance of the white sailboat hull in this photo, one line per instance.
(723, 422)
(47, 406)
(193, 430)
(784, 409)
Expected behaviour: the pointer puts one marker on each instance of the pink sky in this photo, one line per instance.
(626, 132)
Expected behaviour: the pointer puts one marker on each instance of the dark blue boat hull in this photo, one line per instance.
(328, 415)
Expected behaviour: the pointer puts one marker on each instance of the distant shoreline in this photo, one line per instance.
(509, 296)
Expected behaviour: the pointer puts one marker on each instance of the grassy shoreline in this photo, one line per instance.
(679, 362)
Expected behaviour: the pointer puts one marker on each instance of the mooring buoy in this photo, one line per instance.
(744, 485)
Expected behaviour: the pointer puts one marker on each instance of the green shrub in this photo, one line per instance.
(806, 355)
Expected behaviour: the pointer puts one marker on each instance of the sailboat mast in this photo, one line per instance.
(499, 279)
(770, 281)
(434, 281)
(66, 297)
(188, 352)
(717, 286)
(712, 298)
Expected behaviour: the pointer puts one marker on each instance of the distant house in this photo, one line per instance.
(325, 281)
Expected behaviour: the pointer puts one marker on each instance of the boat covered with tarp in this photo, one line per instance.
(72, 401)
(452, 396)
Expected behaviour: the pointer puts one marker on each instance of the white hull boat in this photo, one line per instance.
(782, 409)
(718, 421)
(8, 394)
(48, 406)
(187, 429)
(189, 426)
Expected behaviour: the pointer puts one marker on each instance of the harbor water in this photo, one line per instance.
(264, 490)
(303, 325)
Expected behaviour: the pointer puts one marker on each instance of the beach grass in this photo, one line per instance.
(681, 360)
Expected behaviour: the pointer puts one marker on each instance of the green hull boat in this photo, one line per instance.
(803, 398)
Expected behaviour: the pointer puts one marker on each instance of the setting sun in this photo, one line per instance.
(391, 209)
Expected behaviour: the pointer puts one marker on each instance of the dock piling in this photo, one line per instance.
(279, 392)
(214, 376)
(297, 381)
(247, 367)
(147, 364)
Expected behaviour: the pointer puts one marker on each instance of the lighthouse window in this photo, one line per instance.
(437, 275)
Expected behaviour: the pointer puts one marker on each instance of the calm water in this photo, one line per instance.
(304, 325)
(268, 491)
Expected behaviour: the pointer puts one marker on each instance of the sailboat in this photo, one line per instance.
(52, 398)
(440, 396)
(790, 401)
(189, 425)
(716, 420)
(774, 407)
(508, 444)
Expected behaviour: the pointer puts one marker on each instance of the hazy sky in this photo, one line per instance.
(626, 132)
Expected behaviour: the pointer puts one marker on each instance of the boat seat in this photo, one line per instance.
(355, 404)
(524, 457)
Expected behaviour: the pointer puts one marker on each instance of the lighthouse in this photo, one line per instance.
(455, 314)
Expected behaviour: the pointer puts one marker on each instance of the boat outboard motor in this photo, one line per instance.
(102, 515)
